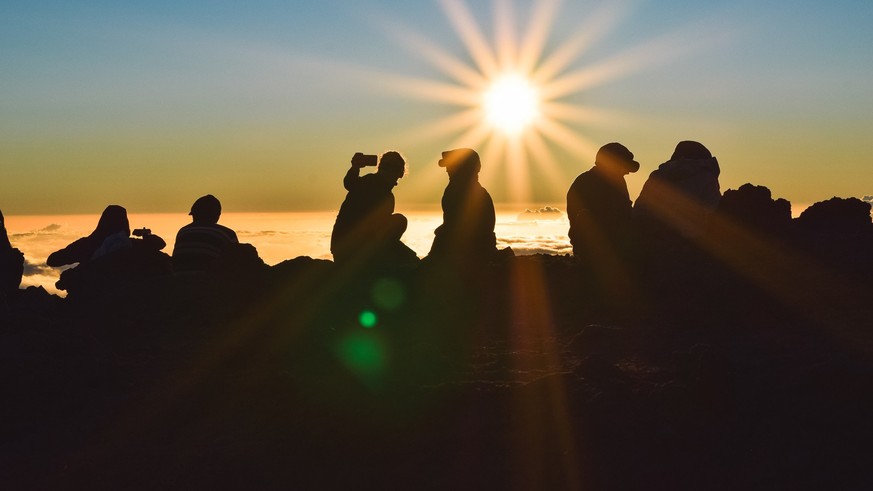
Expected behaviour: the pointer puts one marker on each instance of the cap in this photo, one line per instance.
(617, 153)
(460, 156)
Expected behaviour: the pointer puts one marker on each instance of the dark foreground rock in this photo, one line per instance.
(745, 366)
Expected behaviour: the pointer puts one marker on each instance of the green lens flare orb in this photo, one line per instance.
(389, 294)
(368, 319)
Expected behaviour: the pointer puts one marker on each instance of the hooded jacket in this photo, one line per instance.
(679, 196)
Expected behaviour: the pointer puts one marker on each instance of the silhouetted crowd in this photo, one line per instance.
(679, 207)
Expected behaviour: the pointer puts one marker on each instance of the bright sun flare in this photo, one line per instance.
(512, 93)
(511, 103)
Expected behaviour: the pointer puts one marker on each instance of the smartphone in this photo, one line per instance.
(364, 160)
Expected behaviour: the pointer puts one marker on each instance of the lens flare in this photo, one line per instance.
(368, 319)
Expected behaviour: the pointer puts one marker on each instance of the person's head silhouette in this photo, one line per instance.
(392, 165)
(112, 221)
(690, 150)
(616, 159)
(206, 209)
(461, 162)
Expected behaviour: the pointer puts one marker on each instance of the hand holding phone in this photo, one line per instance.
(362, 160)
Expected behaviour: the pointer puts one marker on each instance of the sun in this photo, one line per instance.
(516, 94)
(511, 103)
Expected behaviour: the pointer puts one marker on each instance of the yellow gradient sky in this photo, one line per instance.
(263, 103)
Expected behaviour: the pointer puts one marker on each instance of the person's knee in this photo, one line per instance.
(398, 224)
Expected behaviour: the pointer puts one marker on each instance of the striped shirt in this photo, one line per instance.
(198, 245)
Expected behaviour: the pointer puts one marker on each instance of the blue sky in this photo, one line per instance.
(262, 103)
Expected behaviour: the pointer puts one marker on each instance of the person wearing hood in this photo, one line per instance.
(599, 206)
(367, 231)
(467, 230)
(111, 235)
(109, 252)
(679, 196)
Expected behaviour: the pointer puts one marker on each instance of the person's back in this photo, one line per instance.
(599, 205)
(113, 223)
(367, 231)
(679, 196)
(203, 241)
(467, 231)
(369, 201)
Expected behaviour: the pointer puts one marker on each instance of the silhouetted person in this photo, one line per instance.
(599, 206)
(679, 196)
(367, 231)
(109, 252)
(203, 241)
(467, 231)
(11, 262)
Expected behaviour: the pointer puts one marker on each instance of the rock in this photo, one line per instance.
(753, 207)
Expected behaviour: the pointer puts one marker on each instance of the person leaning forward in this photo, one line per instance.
(599, 205)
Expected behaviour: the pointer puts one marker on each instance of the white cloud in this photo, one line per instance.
(543, 244)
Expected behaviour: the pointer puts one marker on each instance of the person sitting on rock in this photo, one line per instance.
(203, 241)
(109, 253)
(599, 205)
(367, 231)
(467, 231)
(11, 263)
(679, 197)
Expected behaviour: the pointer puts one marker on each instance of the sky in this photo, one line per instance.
(262, 103)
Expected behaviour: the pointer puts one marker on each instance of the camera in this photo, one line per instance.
(141, 232)
(362, 160)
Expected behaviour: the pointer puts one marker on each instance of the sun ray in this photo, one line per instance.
(539, 151)
(518, 175)
(430, 90)
(595, 27)
(472, 137)
(577, 144)
(657, 52)
(442, 127)
(492, 156)
(581, 114)
(439, 58)
(468, 30)
(504, 34)
(534, 40)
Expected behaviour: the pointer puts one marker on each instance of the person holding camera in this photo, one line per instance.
(366, 229)
(109, 254)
